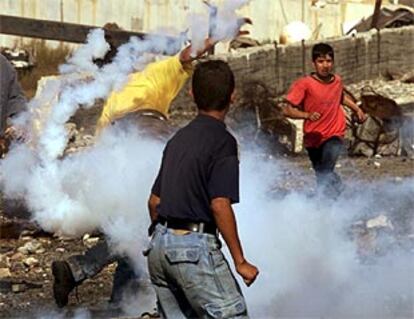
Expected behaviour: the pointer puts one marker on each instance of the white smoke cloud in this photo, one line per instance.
(226, 23)
(105, 187)
(87, 189)
(81, 61)
(49, 180)
(199, 31)
(310, 265)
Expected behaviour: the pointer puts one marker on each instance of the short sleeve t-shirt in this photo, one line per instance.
(312, 95)
(199, 163)
(153, 88)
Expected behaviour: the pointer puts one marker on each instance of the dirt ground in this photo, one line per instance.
(27, 291)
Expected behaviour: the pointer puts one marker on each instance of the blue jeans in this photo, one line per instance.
(323, 160)
(192, 279)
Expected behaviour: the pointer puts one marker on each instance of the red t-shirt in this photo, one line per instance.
(312, 95)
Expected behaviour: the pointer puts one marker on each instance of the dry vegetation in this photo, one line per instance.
(47, 59)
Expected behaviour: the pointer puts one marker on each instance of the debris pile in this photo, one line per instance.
(257, 117)
(388, 17)
(78, 139)
(19, 58)
(389, 129)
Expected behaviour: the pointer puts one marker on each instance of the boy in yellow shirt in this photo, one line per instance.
(153, 89)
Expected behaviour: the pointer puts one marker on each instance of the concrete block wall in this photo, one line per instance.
(360, 57)
(363, 56)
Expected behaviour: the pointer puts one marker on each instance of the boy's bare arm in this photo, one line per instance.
(293, 112)
(226, 223)
(153, 202)
(186, 55)
(349, 102)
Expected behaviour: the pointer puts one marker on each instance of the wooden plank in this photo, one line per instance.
(376, 14)
(68, 32)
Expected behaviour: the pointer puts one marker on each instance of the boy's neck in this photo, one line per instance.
(325, 79)
(219, 115)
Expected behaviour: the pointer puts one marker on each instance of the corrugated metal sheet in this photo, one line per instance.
(269, 16)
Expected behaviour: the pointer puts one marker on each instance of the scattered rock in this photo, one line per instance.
(377, 164)
(31, 262)
(398, 179)
(60, 250)
(4, 261)
(90, 242)
(16, 288)
(17, 256)
(40, 251)
(4, 250)
(65, 238)
(5, 272)
(38, 270)
(380, 221)
(17, 266)
(30, 247)
(45, 241)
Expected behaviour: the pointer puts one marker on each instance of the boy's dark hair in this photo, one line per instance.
(212, 85)
(322, 49)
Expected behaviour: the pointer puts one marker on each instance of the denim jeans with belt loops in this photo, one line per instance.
(192, 278)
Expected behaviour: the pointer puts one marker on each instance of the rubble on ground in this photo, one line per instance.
(390, 129)
(390, 16)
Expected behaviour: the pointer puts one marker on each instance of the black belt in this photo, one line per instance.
(199, 227)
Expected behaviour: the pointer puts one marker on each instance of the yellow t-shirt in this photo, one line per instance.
(153, 88)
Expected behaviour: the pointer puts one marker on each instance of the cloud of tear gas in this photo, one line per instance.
(312, 263)
(221, 23)
(77, 314)
(82, 58)
(48, 183)
(226, 22)
(104, 187)
(309, 264)
(199, 31)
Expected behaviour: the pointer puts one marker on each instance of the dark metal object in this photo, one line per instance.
(375, 16)
(16, 286)
(379, 106)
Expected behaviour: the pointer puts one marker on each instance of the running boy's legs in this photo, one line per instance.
(323, 160)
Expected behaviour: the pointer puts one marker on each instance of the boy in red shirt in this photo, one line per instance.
(317, 98)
